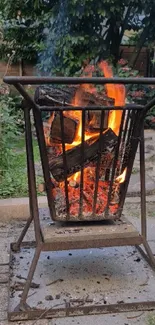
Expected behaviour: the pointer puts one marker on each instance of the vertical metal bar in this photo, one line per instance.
(134, 140)
(142, 184)
(42, 148)
(31, 175)
(128, 140)
(124, 140)
(107, 175)
(98, 163)
(82, 165)
(65, 164)
(114, 165)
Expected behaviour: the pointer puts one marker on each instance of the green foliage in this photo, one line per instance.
(9, 129)
(14, 181)
(91, 30)
(22, 25)
(80, 31)
(13, 172)
(63, 34)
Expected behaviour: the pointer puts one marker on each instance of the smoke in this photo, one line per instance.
(58, 28)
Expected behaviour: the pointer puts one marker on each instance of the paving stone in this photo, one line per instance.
(39, 322)
(4, 301)
(4, 268)
(3, 317)
(152, 245)
(134, 185)
(4, 254)
(4, 278)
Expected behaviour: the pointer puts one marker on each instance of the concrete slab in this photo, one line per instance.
(121, 319)
(12, 230)
(102, 275)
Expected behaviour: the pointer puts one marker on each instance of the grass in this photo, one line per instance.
(14, 180)
(151, 320)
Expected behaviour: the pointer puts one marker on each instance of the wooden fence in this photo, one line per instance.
(143, 61)
(142, 64)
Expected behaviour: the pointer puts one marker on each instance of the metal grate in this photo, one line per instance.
(122, 150)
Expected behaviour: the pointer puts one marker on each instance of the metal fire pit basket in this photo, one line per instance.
(91, 235)
(113, 155)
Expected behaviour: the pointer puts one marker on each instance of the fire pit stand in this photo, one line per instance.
(55, 236)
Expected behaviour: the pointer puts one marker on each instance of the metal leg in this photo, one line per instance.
(31, 182)
(22, 304)
(142, 183)
(16, 246)
(148, 255)
(149, 252)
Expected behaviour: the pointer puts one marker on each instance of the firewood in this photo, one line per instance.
(70, 127)
(49, 96)
(95, 119)
(74, 159)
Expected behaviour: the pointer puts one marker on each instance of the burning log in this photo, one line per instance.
(73, 156)
(95, 119)
(55, 96)
(70, 127)
(49, 96)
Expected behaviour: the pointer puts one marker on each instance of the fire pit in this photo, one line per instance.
(87, 152)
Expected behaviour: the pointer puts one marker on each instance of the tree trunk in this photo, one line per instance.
(138, 47)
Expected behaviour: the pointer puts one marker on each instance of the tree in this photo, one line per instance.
(87, 30)
(61, 35)
(22, 25)
(147, 34)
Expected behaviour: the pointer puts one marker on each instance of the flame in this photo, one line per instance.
(78, 101)
(117, 92)
(121, 178)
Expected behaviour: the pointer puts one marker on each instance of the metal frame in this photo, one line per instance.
(22, 311)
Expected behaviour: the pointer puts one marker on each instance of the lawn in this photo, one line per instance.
(14, 179)
(151, 320)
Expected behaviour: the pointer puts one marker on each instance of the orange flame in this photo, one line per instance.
(78, 101)
(117, 92)
(121, 178)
